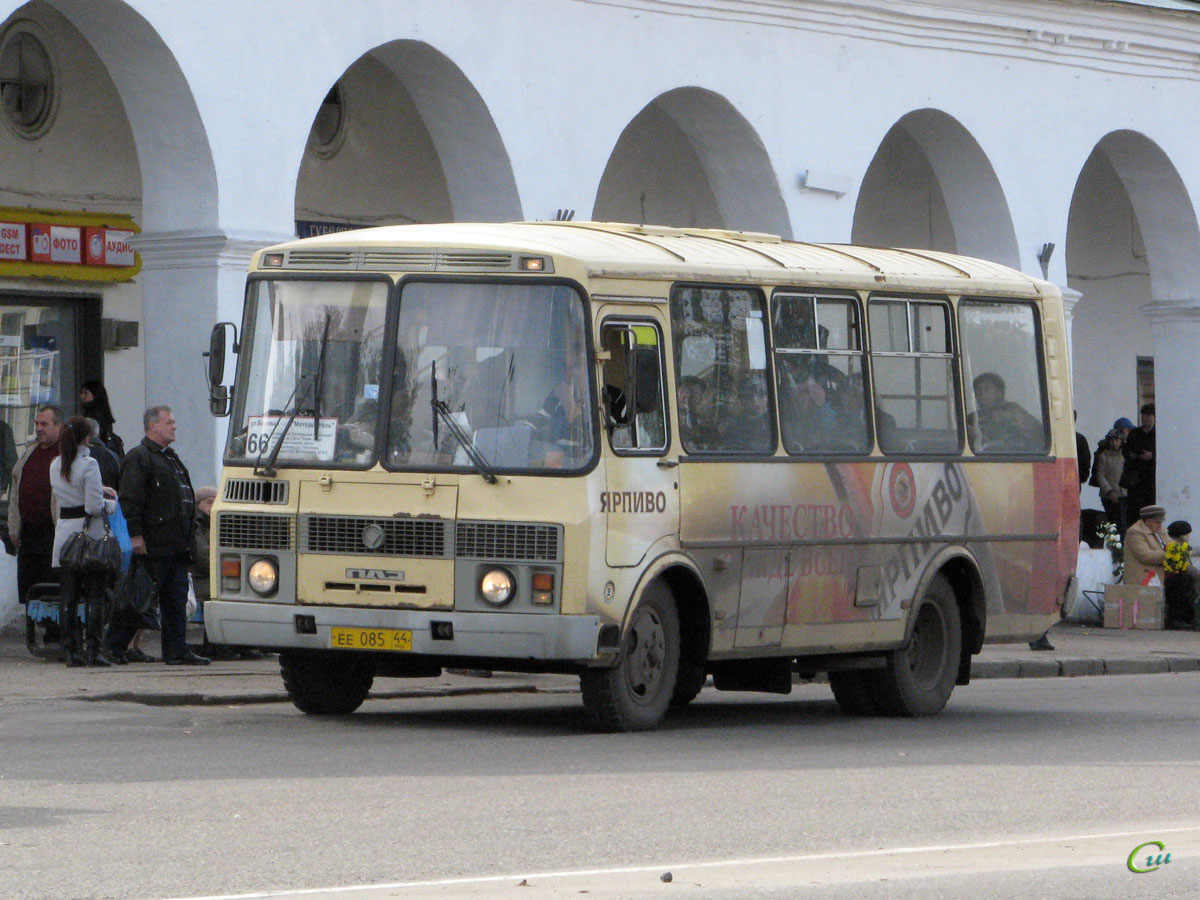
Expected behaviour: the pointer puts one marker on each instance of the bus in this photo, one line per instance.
(644, 455)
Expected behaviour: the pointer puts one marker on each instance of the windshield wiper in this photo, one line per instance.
(268, 470)
(442, 411)
(464, 440)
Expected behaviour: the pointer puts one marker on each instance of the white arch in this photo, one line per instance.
(719, 141)
(179, 183)
(1164, 212)
(974, 200)
(479, 175)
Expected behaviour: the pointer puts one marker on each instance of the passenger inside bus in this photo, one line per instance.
(1000, 425)
(807, 420)
(751, 431)
(697, 413)
(561, 421)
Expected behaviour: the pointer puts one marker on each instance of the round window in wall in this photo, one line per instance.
(26, 82)
(329, 127)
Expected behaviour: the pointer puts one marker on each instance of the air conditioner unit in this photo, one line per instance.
(118, 334)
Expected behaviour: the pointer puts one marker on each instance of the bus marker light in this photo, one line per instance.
(533, 264)
(272, 261)
(231, 573)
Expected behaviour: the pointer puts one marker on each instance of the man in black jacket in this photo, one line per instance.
(160, 507)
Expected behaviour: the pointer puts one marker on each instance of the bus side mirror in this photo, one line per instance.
(219, 400)
(219, 395)
(646, 379)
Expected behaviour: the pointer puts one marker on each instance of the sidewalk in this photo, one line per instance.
(1078, 651)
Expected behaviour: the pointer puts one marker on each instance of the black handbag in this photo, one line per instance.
(135, 598)
(91, 555)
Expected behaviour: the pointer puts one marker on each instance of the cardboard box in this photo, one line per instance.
(1133, 606)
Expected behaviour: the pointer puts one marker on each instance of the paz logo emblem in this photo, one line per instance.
(372, 537)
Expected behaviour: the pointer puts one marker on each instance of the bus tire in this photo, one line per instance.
(920, 677)
(688, 684)
(326, 684)
(634, 694)
(854, 692)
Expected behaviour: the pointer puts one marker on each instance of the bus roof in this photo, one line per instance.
(615, 250)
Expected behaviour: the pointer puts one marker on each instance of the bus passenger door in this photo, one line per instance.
(641, 499)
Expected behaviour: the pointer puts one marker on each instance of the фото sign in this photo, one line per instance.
(55, 244)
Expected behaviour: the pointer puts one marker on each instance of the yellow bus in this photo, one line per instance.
(645, 455)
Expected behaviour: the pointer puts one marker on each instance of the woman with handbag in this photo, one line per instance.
(83, 504)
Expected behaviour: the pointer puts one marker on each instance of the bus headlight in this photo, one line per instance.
(263, 576)
(497, 586)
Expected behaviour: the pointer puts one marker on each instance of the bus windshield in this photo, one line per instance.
(506, 363)
(310, 369)
(484, 377)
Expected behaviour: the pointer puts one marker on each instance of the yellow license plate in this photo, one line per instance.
(370, 639)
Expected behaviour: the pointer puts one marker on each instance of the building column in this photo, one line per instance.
(1070, 298)
(190, 281)
(1176, 331)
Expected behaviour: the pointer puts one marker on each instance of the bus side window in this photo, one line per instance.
(1005, 387)
(819, 374)
(916, 403)
(721, 369)
(632, 399)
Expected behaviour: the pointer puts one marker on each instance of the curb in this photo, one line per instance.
(1075, 667)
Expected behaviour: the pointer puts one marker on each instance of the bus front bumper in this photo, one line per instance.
(474, 634)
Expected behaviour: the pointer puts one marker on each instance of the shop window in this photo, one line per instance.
(41, 360)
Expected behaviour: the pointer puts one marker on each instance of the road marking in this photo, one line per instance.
(699, 867)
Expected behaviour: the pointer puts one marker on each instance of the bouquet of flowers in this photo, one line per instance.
(1178, 557)
(1116, 547)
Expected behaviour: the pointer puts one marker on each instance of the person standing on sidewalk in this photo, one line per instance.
(75, 480)
(1141, 463)
(160, 508)
(30, 507)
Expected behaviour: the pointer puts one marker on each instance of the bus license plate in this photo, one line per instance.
(370, 639)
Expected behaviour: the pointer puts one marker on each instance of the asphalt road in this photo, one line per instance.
(1036, 787)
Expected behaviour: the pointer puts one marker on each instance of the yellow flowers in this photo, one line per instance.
(1178, 557)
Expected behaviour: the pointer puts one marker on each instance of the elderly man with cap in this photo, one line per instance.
(1146, 546)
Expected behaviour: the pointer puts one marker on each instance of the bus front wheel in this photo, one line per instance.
(634, 694)
(325, 684)
(920, 677)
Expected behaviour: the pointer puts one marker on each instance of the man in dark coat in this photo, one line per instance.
(160, 508)
(1141, 462)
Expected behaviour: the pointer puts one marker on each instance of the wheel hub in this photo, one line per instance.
(647, 652)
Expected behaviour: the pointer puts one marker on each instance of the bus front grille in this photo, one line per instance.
(244, 531)
(514, 541)
(375, 536)
(254, 490)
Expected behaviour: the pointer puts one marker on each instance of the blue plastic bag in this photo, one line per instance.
(120, 528)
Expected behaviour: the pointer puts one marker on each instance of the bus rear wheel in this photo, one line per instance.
(920, 677)
(634, 694)
(326, 684)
